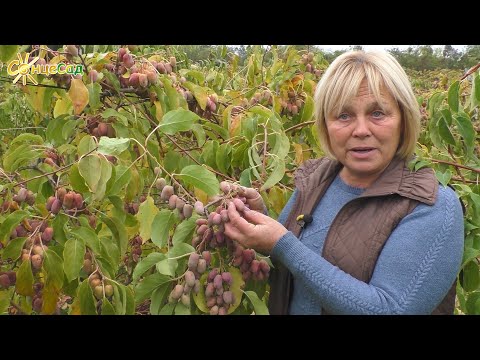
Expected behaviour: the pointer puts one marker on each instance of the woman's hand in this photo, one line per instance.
(253, 230)
(254, 199)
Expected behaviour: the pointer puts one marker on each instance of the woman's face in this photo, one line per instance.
(365, 138)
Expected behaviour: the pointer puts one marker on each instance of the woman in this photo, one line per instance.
(361, 233)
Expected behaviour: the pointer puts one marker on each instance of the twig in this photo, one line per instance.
(456, 168)
(454, 164)
(23, 128)
(306, 123)
(264, 171)
(53, 172)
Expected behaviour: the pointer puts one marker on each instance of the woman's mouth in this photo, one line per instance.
(362, 152)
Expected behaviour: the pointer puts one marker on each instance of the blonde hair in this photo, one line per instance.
(341, 82)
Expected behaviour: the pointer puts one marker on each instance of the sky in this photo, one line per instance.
(381, 47)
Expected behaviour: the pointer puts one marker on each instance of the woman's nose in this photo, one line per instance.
(362, 128)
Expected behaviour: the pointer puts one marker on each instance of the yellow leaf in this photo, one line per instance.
(158, 111)
(276, 197)
(297, 79)
(50, 296)
(62, 106)
(76, 307)
(35, 98)
(145, 216)
(79, 95)
(298, 153)
(57, 59)
(307, 152)
(235, 125)
(201, 195)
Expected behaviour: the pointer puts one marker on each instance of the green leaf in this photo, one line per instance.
(85, 145)
(199, 298)
(199, 133)
(124, 301)
(54, 132)
(10, 223)
(14, 248)
(118, 230)
(148, 285)
(307, 110)
(94, 90)
(276, 175)
(180, 249)
(224, 157)
(447, 115)
(146, 263)
(198, 92)
(471, 276)
(445, 177)
(200, 178)
(106, 173)
(158, 298)
(184, 231)
(114, 113)
(470, 254)
(112, 79)
(5, 297)
(107, 307)
(122, 178)
(90, 167)
(222, 132)
(258, 305)
(89, 236)
(24, 284)
(208, 153)
(475, 96)
(181, 309)
(177, 120)
(472, 304)
(59, 228)
(167, 267)
(69, 128)
(195, 74)
(162, 223)
(76, 180)
(467, 131)
(445, 132)
(246, 178)
(421, 164)
(236, 288)
(434, 102)
(167, 309)
(453, 96)
(53, 270)
(145, 216)
(17, 156)
(171, 92)
(112, 146)
(87, 301)
(73, 254)
(8, 52)
(28, 139)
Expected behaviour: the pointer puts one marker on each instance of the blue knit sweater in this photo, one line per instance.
(415, 269)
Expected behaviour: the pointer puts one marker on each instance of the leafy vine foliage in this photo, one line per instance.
(114, 182)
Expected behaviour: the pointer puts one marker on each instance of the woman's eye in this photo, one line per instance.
(377, 114)
(343, 117)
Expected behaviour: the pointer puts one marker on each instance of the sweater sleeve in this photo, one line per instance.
(414, 271)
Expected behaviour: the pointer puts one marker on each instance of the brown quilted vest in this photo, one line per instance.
(361, 228)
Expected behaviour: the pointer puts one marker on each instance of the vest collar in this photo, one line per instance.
(420, 185)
